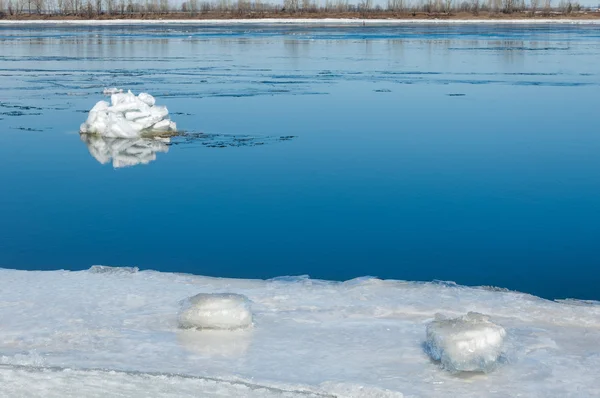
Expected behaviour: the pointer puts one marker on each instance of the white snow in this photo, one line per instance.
(470, 343)
(300, 21)
(124, 152)
(216, 311)
(110, 331)
(127, 116)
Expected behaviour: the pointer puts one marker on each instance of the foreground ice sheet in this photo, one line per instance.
(127, 116)
(469, 343)
(111, 331)
(216, 311)
(125, 152)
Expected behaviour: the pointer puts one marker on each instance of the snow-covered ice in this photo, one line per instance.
(470, 343)
(216, 311)
(124, 152)
(110, 331)
(128, 116)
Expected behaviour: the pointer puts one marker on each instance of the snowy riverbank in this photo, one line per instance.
(299, 21)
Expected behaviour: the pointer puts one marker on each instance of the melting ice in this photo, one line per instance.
(128, 116)
(111, 331)
(470, 343)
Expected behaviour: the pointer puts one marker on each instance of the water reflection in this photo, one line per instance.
(124, 152)
(215, 343)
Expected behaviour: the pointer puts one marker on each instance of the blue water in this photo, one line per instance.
(464, 153)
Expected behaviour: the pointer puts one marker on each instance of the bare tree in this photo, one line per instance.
(89, 9)
(290, 5)
(38, 6)
(547, 7)
(496, 5)
(395, 5)
(508, 6)
(164, 6)
(533, 6)
(365, 5)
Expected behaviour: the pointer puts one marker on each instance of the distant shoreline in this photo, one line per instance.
(305, 18)
(300, 21)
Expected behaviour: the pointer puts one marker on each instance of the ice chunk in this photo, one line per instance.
(124, 152)
(127, 116)
(470, 343)
(216, 311)
(147, 98)
(112, 90)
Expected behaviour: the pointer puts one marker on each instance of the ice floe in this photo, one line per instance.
(124, 152)
(128, 116)
(111, 91)
(216, 311)
(470, 343)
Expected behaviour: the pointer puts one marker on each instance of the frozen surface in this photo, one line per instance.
(124, 152)
(216, 311)
(116, 329)
(470, 343)
(127, 116)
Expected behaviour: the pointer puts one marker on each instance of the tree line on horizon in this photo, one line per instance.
(141, 8)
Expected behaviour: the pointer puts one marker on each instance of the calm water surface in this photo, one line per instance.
(462, 153)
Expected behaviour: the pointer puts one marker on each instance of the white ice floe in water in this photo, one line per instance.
(124, 152)
(128, 116)
(112, 90)
(106, 332)
(470, 343)
(216, 311)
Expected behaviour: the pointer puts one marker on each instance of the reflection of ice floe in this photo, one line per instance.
(124, 152)
(128, 116)
(142, 150)
(216, 311)
(470, 343)
(210, 343)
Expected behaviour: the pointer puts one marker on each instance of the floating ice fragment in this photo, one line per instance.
(216, 311)
(112, 90)
(128, 116)
(125, 152)
(470, 343)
